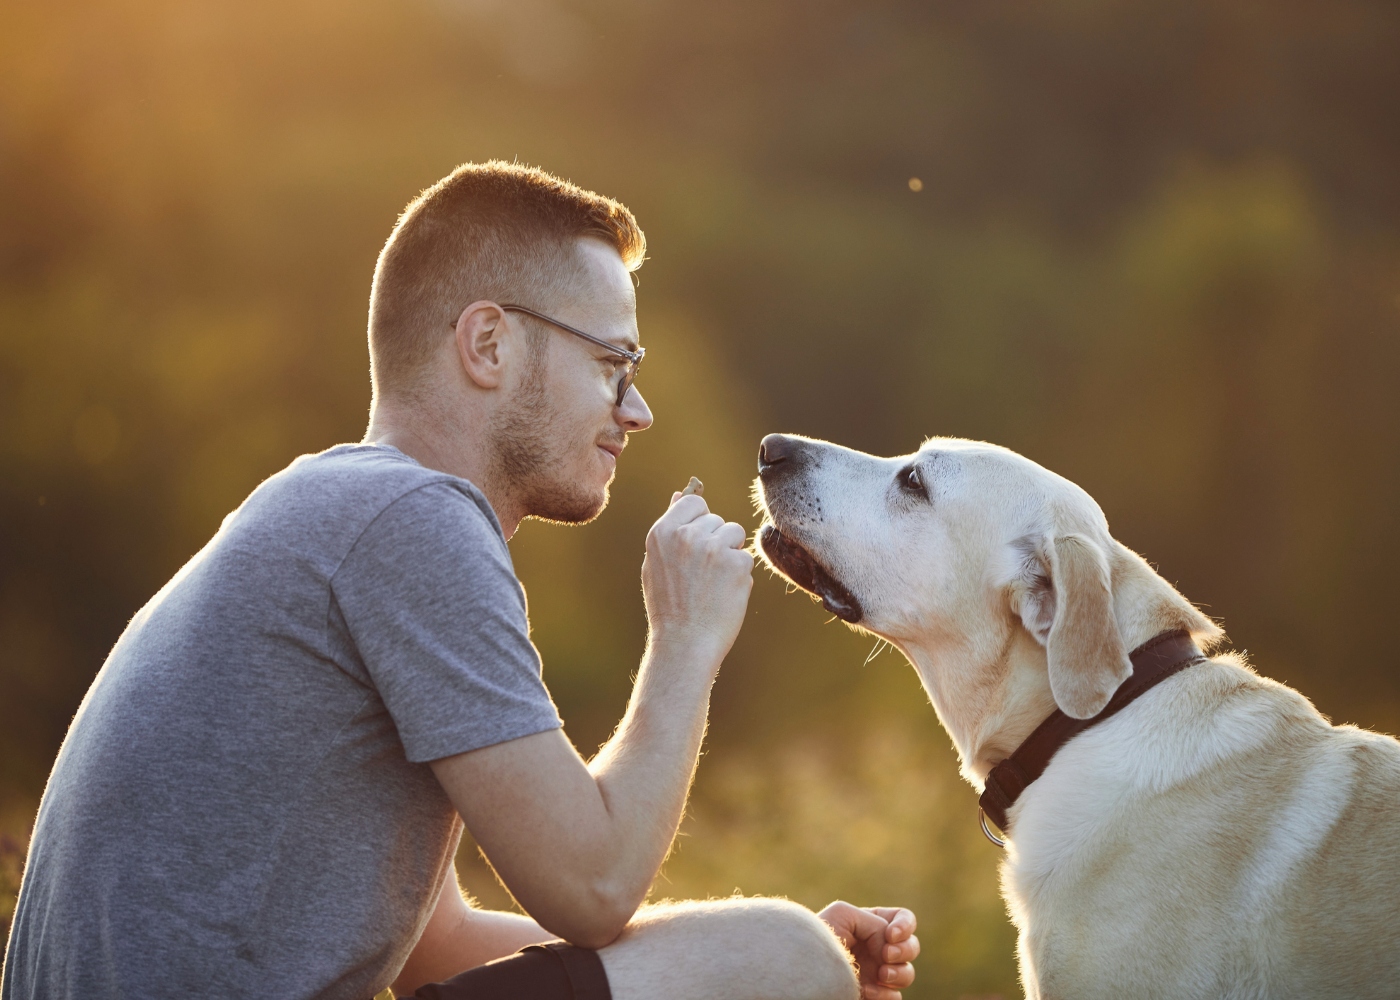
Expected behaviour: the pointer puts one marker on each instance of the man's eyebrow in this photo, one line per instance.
(628, 342)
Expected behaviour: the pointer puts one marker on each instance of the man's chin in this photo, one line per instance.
(561, 506)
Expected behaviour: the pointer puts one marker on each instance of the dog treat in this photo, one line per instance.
(695, 486)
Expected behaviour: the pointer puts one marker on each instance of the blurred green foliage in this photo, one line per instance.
(1156, 247)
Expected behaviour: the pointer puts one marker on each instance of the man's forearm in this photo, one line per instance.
(494, 934)
(577, 844)
(644, 772)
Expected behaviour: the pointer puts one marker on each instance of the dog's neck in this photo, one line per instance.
(990, 696)
(988, 677)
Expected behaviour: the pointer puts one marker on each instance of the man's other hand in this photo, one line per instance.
(882, 941)
(696, 578)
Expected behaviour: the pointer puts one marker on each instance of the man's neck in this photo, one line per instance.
(441, 445)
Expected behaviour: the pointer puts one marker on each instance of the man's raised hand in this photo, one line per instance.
(881, 940)
(696, 578)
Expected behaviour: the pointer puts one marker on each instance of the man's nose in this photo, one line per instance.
(774, 450)
(633, 414)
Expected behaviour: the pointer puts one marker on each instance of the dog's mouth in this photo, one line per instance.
(799, 566)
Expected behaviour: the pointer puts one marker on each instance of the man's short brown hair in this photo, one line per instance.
(497, 231)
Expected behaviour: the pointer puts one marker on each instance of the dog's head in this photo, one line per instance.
(956, 552)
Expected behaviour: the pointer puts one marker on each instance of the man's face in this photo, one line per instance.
(559, 437)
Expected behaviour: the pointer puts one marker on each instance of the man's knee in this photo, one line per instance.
(792, 937)
(730, 949)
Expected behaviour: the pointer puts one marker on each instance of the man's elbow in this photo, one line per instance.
(595, 937)
(599, 917)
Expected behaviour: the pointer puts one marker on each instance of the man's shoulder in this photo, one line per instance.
(372, 474)
(346, 488)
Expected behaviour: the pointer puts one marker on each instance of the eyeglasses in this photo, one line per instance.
(634, 358)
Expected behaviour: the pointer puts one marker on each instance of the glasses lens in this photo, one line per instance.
(629, 375)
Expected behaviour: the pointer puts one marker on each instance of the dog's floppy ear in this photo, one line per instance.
(1068, 606)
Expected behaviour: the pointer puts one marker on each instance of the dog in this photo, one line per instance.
(1215, 837)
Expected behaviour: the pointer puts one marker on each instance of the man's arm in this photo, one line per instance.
(459, 937)
(579, 844)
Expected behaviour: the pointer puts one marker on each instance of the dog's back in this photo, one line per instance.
(1339, 920)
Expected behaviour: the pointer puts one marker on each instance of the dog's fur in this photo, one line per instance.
(1216, 838)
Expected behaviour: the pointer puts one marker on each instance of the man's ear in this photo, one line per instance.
(478, 337)
(1068, 607)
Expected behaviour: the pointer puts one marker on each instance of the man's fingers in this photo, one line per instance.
(841, 917)
(689, 508)
(707, 524)
(902, 922)
(683, 510)
(896, 976)
(874, 991)
(732, 535)
(865, 924)
(904, 951)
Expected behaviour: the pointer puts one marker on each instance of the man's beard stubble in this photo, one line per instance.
(530, 463)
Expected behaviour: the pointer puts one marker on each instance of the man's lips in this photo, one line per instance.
(613, 448)
(799, 566)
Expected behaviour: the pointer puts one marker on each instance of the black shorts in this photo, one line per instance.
(554, 971)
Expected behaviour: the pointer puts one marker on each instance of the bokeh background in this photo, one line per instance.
(1154, 246)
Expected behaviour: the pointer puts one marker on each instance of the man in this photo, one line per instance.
(263, 790)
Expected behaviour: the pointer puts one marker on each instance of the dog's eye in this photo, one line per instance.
(910, 482)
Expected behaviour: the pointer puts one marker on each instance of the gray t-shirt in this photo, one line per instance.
(242, 806)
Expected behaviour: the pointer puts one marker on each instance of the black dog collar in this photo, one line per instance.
(1153, 662)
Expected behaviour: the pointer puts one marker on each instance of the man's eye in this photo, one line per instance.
(911, 482)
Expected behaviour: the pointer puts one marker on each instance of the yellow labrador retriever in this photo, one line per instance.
(1176, 826)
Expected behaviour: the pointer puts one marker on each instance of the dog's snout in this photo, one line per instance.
(773, 450)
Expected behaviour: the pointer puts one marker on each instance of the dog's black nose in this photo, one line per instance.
(774, 450)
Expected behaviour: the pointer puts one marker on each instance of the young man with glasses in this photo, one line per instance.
(264, 789)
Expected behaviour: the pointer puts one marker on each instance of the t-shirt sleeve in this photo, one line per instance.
(433, 606)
